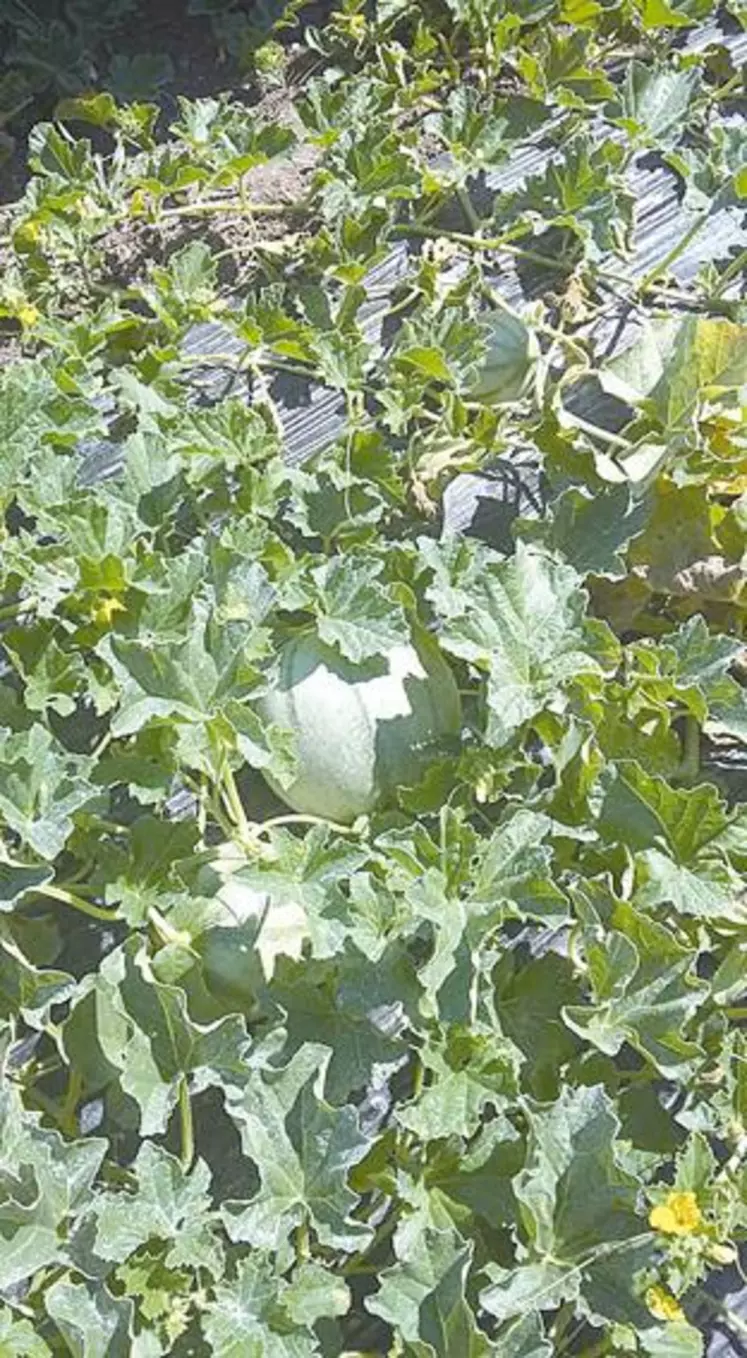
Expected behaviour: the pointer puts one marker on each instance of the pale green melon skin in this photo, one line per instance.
(510, 363)
(359, 729)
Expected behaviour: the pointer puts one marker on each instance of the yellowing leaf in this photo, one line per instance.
(658, 14)
(579, 12)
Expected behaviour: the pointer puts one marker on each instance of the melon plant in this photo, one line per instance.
(360, 730)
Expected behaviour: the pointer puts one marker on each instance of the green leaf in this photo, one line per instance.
(169, 1205)
(529, 1000)
(28, 991)
(447, 1322)
(591, 532)
(526, 1339)
(644, 987)
(229, 432)
(575, 1199)
(514, 1292)
(42, 785)
(244, 1320)
(164, 680)
(45, 1181)
(356, 611)
(18, 880)
(709, 358)
(660, 14)
(422, 1296)
(26, 1250)
(145, 869)
(53, 677)
(428, 361)
(677, 364)
(315, 1292)
(583, 193)
(678, 553)
(655, 101)
(673, 1340)
(478, 1179)
(473, 1071)
(675, 836)
(702, 662)
(94, 1324)
(513, 873)
(572, 1191)
(303, 1149)
(129, 1025)
(100, 109)
(18, 1338)
(23, 390)
(524, 621)
(341, 1005)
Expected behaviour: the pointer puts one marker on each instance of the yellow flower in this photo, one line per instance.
(27, 315)
(356, 25)
(679, 1214)
(104, 610)
(663, 1305)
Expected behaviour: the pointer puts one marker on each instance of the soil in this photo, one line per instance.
(199, 67)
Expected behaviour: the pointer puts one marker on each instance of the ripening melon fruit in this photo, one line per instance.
(361, 730)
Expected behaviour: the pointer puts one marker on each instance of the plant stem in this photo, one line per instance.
(492, 243)
(467, 207)
(729, 86)
(232, 205)
(726, 1315)
(604, 435)
(103, 744)
(732, 271)
(691, 759)
(265, 825)
(303, 1248)
(571, 345)
(57, 893)
(167, 933)
(68, 1122)
(233, 802)
(281, 365)
(672, 255)
(186, 1125)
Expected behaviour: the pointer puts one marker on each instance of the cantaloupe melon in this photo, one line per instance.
(363, 730)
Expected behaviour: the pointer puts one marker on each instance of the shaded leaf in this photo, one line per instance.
(94, 1324)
